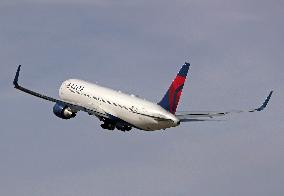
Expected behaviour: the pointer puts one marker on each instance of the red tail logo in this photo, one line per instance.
(172, 97)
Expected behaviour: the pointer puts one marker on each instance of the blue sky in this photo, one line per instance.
(236, 52)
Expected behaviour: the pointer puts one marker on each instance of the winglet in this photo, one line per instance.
(263, 106)
(17, 76)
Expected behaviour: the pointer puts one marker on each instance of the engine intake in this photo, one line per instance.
(63, 111)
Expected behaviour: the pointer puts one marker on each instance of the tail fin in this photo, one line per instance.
(172, 97)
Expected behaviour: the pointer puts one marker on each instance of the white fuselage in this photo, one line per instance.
(105, 102)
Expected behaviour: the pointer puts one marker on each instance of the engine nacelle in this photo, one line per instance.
(63, 111)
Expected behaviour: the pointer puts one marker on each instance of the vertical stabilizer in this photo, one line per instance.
(172, 97)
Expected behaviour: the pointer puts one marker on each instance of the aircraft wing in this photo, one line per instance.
(208, 116)
(73, 106)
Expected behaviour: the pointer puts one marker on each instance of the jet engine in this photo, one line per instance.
(63, 111)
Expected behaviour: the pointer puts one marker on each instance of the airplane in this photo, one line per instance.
(121, 111)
